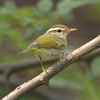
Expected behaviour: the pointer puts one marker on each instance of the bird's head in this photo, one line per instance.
(60, 30)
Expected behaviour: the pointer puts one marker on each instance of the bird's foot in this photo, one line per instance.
(44, 70)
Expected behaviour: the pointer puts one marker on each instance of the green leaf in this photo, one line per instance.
(7, 17)
(67, 16)
(65, 7)
(39, 26)
(45, 5)
(62, 83)
(25, 11)
(68, 5)
(95, 66)
(8, 8)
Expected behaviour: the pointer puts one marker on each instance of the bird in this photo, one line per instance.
(51, 44)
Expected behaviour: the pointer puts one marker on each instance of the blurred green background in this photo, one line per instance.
(22, 21)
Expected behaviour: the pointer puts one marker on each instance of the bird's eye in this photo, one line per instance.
(59, 30)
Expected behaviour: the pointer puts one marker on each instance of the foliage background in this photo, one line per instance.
(21, 22)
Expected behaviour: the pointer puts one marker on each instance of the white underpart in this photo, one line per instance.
(63, 36)
(51, 54)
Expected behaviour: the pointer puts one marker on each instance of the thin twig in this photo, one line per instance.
(43, 78)
(24, 64)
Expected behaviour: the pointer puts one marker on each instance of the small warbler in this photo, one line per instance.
(51, 44)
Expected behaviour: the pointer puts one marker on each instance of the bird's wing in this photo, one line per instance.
(44, 41)
(47, 41)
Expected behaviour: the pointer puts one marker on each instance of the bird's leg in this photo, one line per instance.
(61, 57)
(43, 69)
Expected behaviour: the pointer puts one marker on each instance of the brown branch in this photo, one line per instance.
(91, 55)
(20, 65)
(24, 64)
(34, 62)
(43, 78)
(46, 93)
(7, 69)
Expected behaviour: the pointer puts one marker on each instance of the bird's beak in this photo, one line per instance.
(71, 29)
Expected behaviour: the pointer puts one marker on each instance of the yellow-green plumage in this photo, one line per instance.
(51, 44)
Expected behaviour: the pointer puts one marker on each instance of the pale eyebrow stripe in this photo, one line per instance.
(51, 29)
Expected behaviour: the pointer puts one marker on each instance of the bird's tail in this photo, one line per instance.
(25, 51)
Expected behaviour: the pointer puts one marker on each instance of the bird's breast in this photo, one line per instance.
(49, 54)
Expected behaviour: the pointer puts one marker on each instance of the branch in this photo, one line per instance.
(8, 69)
(43, 78)
(34, 62)
(24, 64)
(92, 55)
(46, 93)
